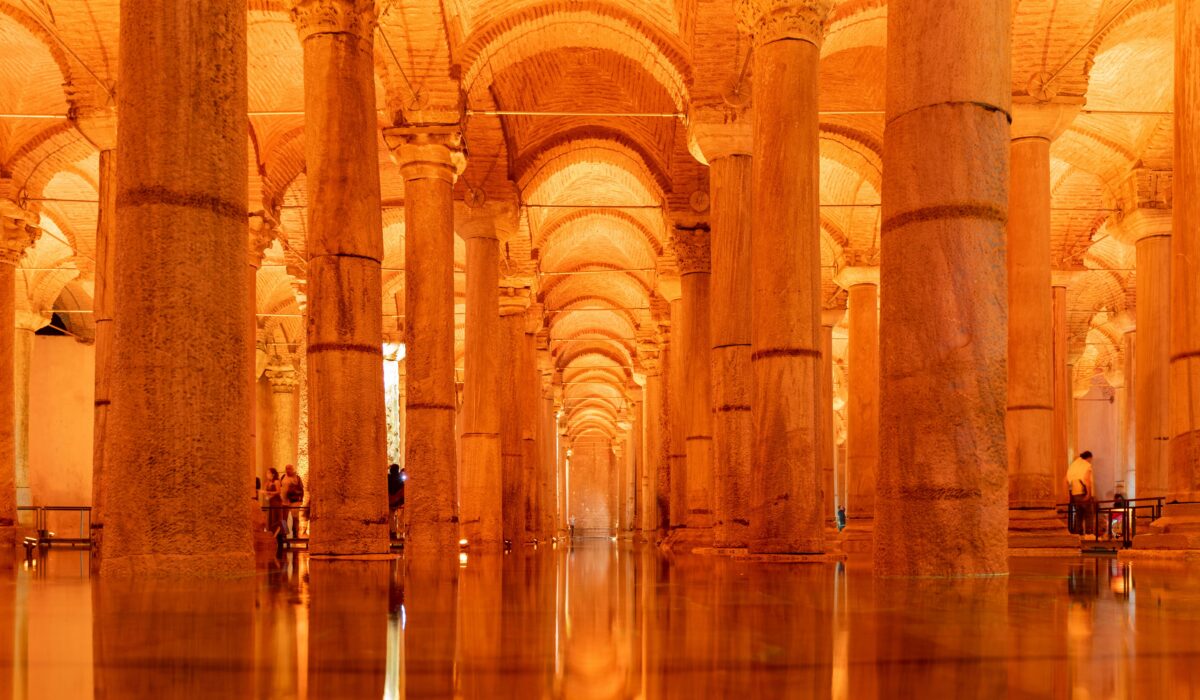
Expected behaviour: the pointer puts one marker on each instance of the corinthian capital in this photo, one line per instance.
(262, 232)
(773, 20)
(691, 249)
(355, 17)
(18, 231)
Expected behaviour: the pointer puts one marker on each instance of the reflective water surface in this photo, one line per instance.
(600, 620)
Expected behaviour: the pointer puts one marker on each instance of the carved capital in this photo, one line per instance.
(18, 231)
(355, 17)
(714, 134)
(513, 301)
(691, 249)
(848, 277)
(1142, 223)
(775, 20)
(428, 152)
(283, 377)
(1042, 120)
(30, 320)
(262, 231)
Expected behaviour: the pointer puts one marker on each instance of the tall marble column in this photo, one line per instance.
(862, 407)
(727, 149)
(430, 158)
(692, 252)
(100, 127)
(1150, 230)
(348, 439)
(177, 482)
(528, 383)
(547, 446)
(942, 493)
(1128, 415)
(1184, 477)
(677, 407)
(515, 482)
(27, 323)
(283, 380)
(634, 500)
(480, 504)
(829, 318)
(1029, 415)
(652, 498)
(786, 513)
(1060, 451)
(18, 231)
(261, 233)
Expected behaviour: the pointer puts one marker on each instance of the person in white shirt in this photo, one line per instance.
(1082, 490)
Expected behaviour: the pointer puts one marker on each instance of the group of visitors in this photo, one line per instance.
(284, 497)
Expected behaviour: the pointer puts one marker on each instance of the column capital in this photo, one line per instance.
(775, 20)
(27, 320)
(533, 318)
(690, 244)
(428, 152)
(480, 224)
(647, 359)
(668, 283)
(262, 232)
(1042, 120)
(832, 317)
(355, 17)
(1141, 224)
(513, 300)
(18, 231)
(713, 136)
(853, 276)
(98, 125)
(283, 377)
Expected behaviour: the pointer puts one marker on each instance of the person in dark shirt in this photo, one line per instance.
(396, 478)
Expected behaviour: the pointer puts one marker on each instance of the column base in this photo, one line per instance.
(686, 539)
(1033, 529)
(858, 537)
(1177, 529)
(426, 539)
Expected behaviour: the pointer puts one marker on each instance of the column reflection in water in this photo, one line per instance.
(598, 651)
(430, 628)
(348, 633)
(280, 635)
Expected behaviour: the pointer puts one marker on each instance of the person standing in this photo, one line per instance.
(274, 501)
(396, 478)
(1082, 489)
(292, 487)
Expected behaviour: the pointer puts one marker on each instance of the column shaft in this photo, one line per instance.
(480, 490)
(1184, 476)
(942, 495)
(347, 441)
(730, 182)
(177, 487)
(653, 506)
(102, 306)
(678, 400)
(527, 395)
(828, 451)
(1059, 452)
(8, 449)
(1029, 418)
(516, 488)
(430, 437)
(692, 249)
(862, 411)
(786, 513)
(1153, 390)
(22, 364)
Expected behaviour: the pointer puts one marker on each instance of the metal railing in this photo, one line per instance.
(1113, 514)
(47, 537)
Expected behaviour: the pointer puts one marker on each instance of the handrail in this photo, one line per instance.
(41, 524)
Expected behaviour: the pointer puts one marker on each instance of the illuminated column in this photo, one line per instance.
(1184, 475)
(786, 513)
(1029, 415)
(27, 323)
(829, 319)
(727, 149)
(942, 493)
(514, 480)
(691, 251)
(348, 448)
(676, 410)
(547, 443)
(261, 233)
(1060, 451)
(528, 383)
(1150, 231)
(862, 408)
(430, 158)
(1128, 414)
(19, 232)
(634, 503)
(283, 381)
(100, 127)
(480, 502)
(172, 194)
(653, 505)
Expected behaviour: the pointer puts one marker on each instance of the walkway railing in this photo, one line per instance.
(1116, 514)
(41, 523)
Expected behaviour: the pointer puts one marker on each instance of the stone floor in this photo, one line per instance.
(603, 621)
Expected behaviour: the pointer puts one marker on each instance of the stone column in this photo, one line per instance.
(177, 480)
(677, 406)
(27, 323)
(480, 500)
(348, 439)
(727, 150)
(692, 251)
(515, 482)
(101, 129)
(829, 319)
(1150, 231)
(283, 381)
(1184, 474)
(942, 493)
(18, 231)
(786, 513)
(261, 233)
(528, 383)
(638, 480)
(862, 406)
(1128, 415)
(1029, 416)
(429, 160)
(548, 446)
(1060, 452)
(653, 505)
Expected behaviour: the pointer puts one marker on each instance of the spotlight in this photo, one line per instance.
(463, 543)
